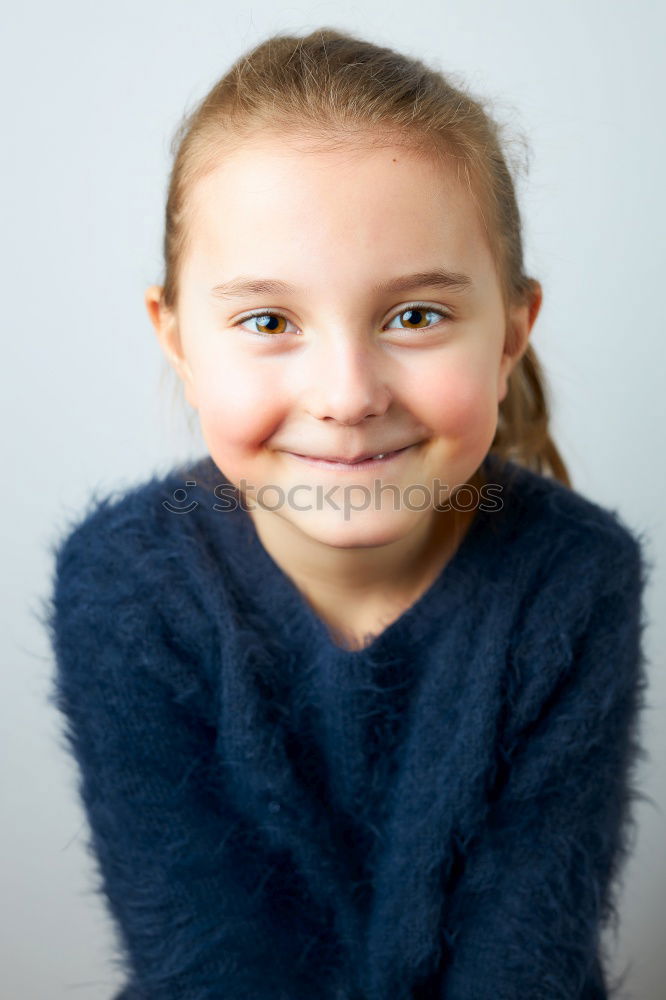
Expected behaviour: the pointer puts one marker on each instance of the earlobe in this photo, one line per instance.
(515, 345)
(174, 352)
(506, 367)
(168, 336)
(521, 320)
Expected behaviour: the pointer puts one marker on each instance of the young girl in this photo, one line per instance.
(354, 696)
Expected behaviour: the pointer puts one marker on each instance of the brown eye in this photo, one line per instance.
(270, 321)
(417, 317)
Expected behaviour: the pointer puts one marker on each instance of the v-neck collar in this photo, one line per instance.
(269, 586)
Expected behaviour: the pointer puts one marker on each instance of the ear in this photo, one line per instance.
(168, 335)
(519, 324)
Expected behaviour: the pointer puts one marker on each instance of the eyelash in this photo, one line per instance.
(274, 336)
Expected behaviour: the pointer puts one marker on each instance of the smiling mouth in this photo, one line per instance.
(369, 463)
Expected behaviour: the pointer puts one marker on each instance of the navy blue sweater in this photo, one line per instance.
(442, 814)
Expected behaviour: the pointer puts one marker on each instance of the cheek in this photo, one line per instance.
(238, 405)
(457, 403)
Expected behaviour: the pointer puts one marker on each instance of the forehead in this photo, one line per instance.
(269, 207)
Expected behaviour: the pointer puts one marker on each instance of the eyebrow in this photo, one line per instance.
(437, 278)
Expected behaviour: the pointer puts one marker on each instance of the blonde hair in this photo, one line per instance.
(334, 90)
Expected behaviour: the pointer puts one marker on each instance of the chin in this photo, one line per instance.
(362, 529)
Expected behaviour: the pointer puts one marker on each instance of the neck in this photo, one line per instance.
(361, 585)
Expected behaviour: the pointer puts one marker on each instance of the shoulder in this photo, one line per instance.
(126, 567)
(564, 536)
(143, 528)
(576, 576)
(116, 534)
(125, 615)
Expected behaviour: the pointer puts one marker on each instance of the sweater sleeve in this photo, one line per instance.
(140, 723)
(536, 886)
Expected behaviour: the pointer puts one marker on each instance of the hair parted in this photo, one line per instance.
(332, 90)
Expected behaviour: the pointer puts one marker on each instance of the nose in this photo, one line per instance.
(346, 381)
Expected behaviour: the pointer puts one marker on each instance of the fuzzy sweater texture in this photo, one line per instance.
(442, 814)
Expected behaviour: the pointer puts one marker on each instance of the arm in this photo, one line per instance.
(140, 723)
(536, 886)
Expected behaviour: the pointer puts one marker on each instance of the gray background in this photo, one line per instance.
(91, 95)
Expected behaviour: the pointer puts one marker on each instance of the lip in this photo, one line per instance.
(368, 463)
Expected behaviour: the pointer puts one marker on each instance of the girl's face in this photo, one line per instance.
(354, 348)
